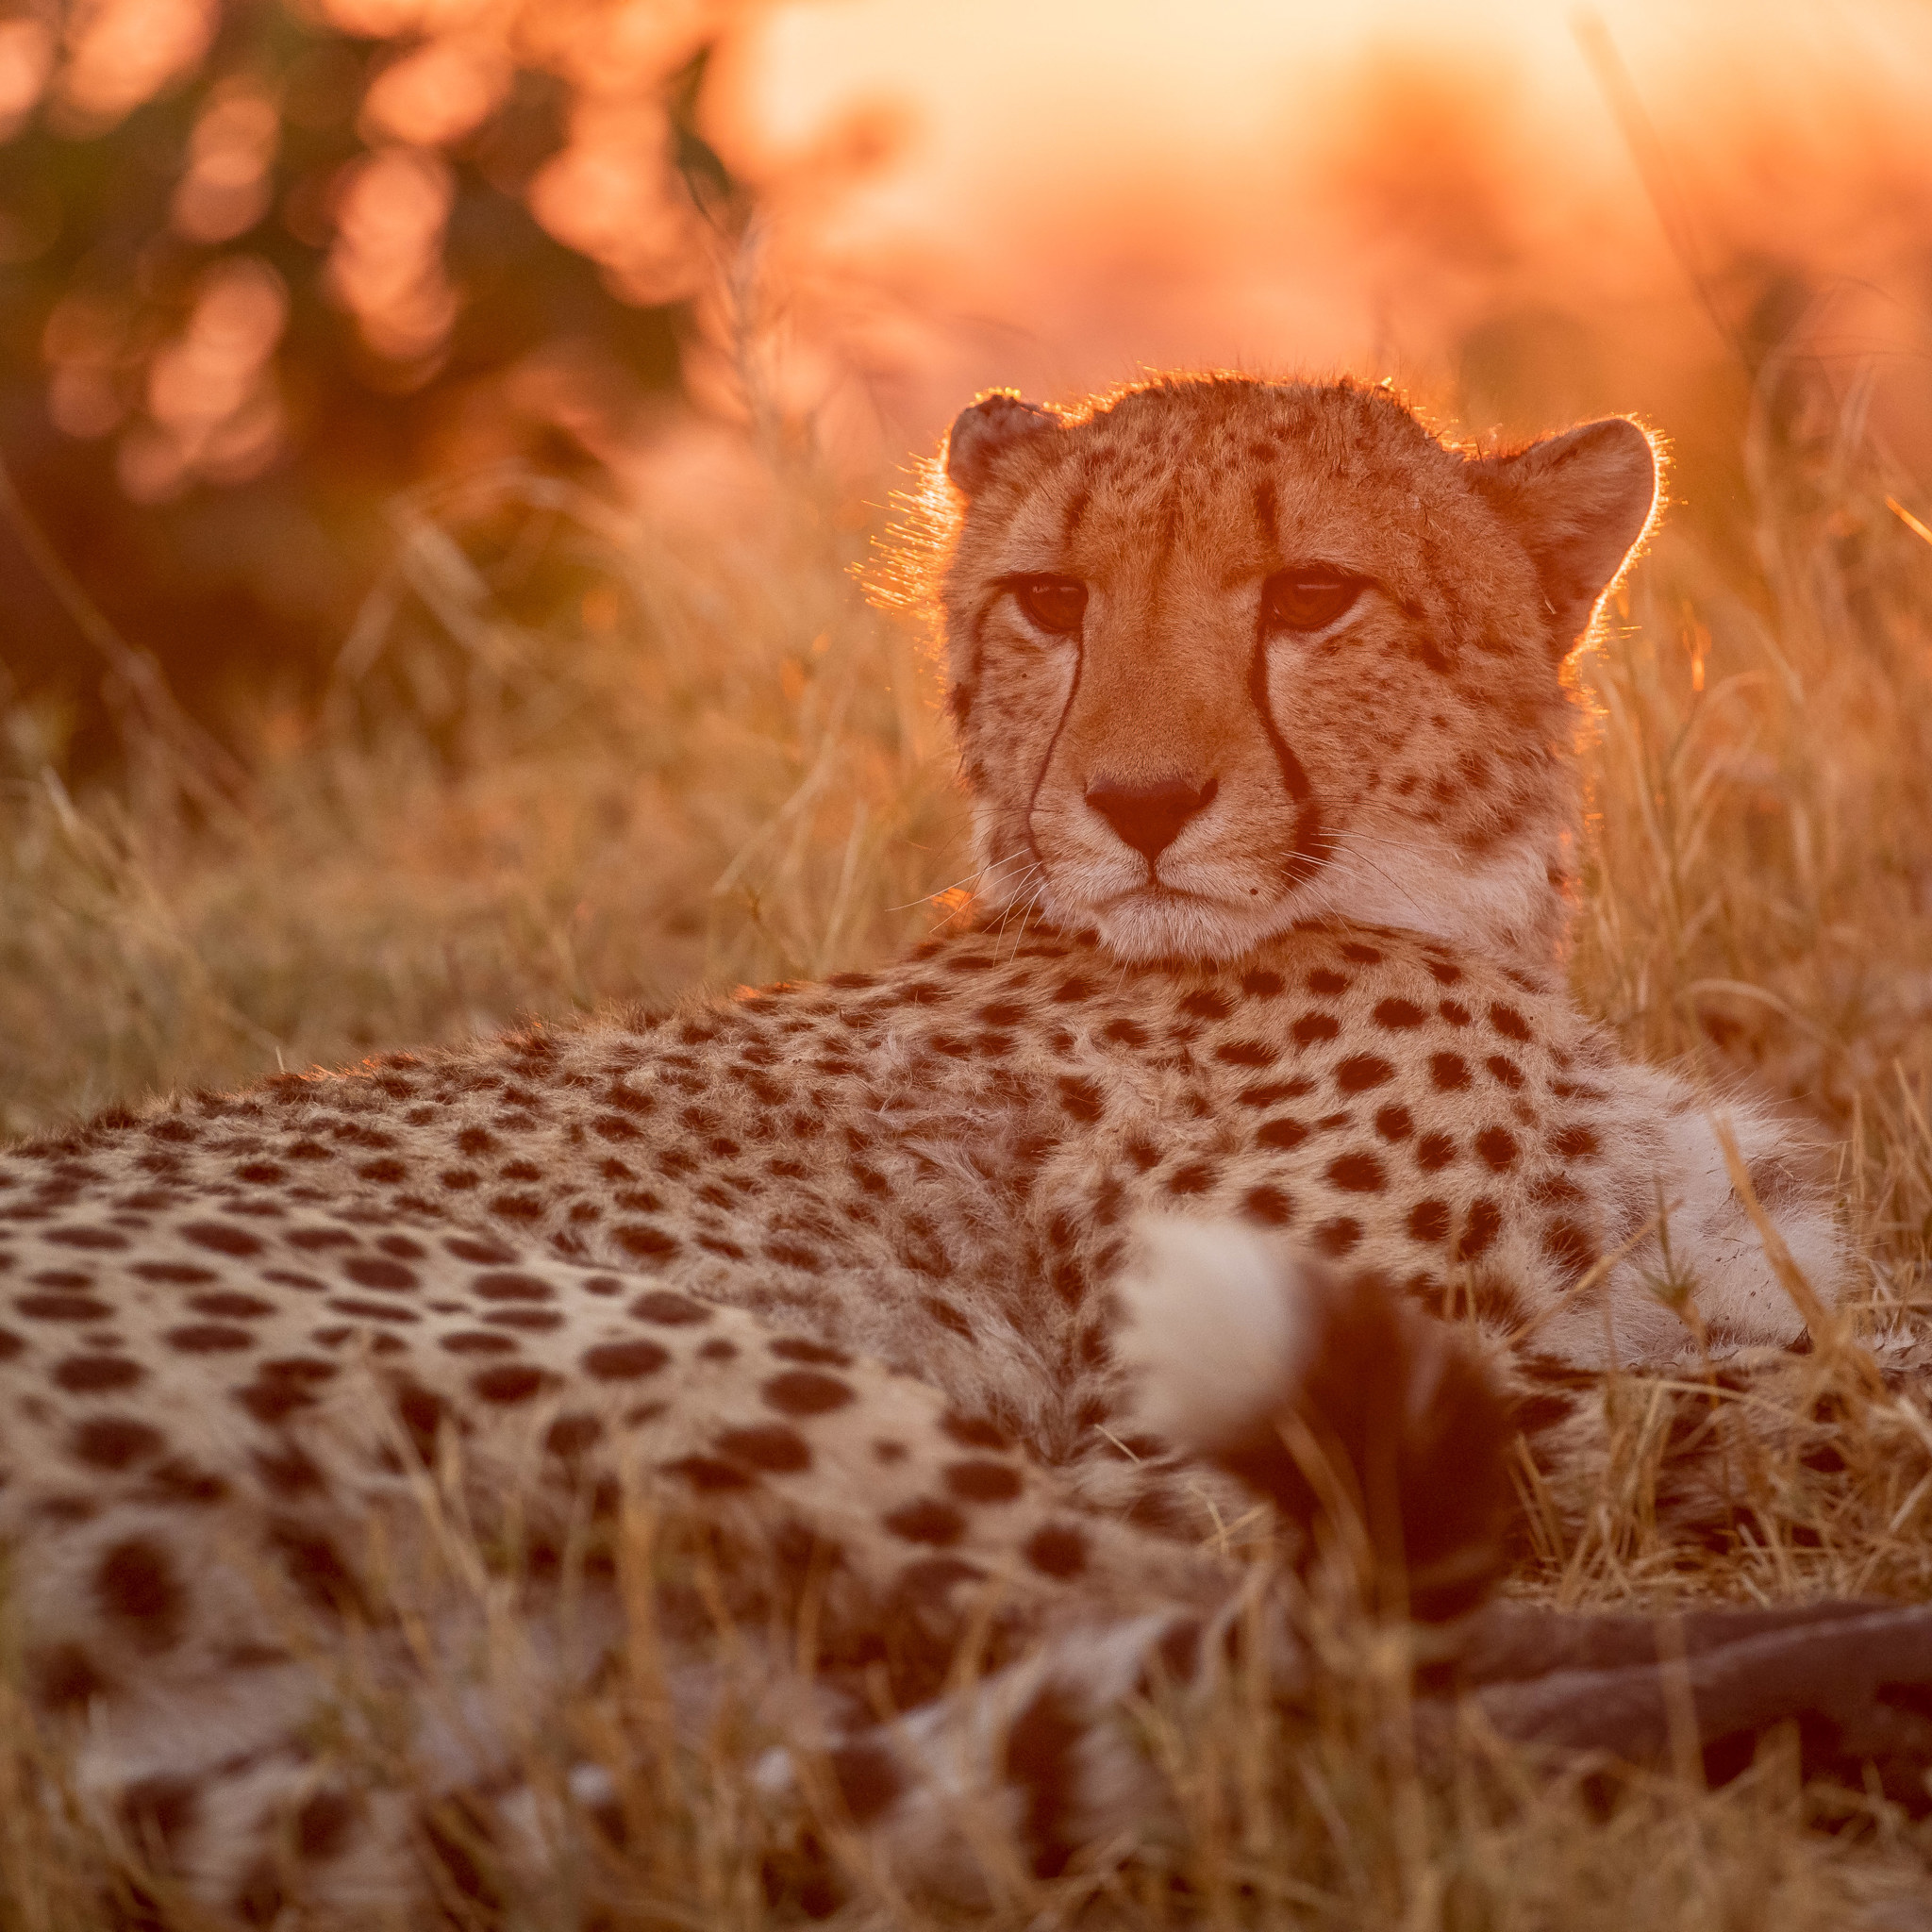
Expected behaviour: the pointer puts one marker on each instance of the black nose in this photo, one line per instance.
(1149, 817)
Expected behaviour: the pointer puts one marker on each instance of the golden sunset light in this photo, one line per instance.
(965, 965)
(1058, 196)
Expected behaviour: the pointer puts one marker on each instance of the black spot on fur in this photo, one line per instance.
(1570, 1247)
(926, 1520)
(372, 1272)
(569, 1436)
(1058, 1550)
(1428, 1222)
(1208, 1003)
(983, 1482)
(325, 1825)
(1082, 1099)
(1338, 1236)
(509, 1285)
(773, 1447)
(799, 1348)
(288, 1472)
(1268, 1205)
(134, 1584)
(790, 1253)
(222, 1238)
(235, 1307)
(1247, 1053)
(1361, 1072)
(974, 1431)
(710, 1473)
(486, 1254)
(806, 1391)
(64, 1677)
(1485, 1222)
(665, 1309)
(646, 1242)
(624, 1362)
(94, 1374)
(948, 1316)
(511, 1382)
(1398, 1015)
(84, 1237)
(313, 1564)
(208, 1338)
(1358, 1173)
(1040, 1763)
(62, 1307)
(311, 1239)
(114, 1442)
(158, 1812)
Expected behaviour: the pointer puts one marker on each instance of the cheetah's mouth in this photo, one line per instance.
(1305, 860)
(1234, 905)
(1152, 891)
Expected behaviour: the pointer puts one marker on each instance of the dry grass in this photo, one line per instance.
(715, 762)
(703, 758)
(1345, 1817)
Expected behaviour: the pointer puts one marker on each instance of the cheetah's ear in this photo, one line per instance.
(1579, 502)
(985, 431)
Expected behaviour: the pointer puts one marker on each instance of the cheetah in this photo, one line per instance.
(968, 1295)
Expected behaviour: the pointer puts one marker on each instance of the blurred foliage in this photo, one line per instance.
(263, 265)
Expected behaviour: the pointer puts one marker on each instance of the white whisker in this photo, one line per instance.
(1025, 914)
(971, 881)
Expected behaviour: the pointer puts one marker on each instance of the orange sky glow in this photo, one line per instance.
(1056, 193)
(1521, 211)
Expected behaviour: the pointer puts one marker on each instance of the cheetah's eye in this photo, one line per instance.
(1055, 604)
(1309, 598)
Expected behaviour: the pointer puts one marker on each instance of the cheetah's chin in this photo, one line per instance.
(1159, 923)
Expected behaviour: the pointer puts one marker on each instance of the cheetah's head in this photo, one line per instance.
(1226, 654)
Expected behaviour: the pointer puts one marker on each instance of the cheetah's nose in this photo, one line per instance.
(1149, 817)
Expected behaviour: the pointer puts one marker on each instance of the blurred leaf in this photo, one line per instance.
(239, 313)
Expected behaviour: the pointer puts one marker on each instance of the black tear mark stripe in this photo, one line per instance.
(1311, 845)
(1053, 746)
